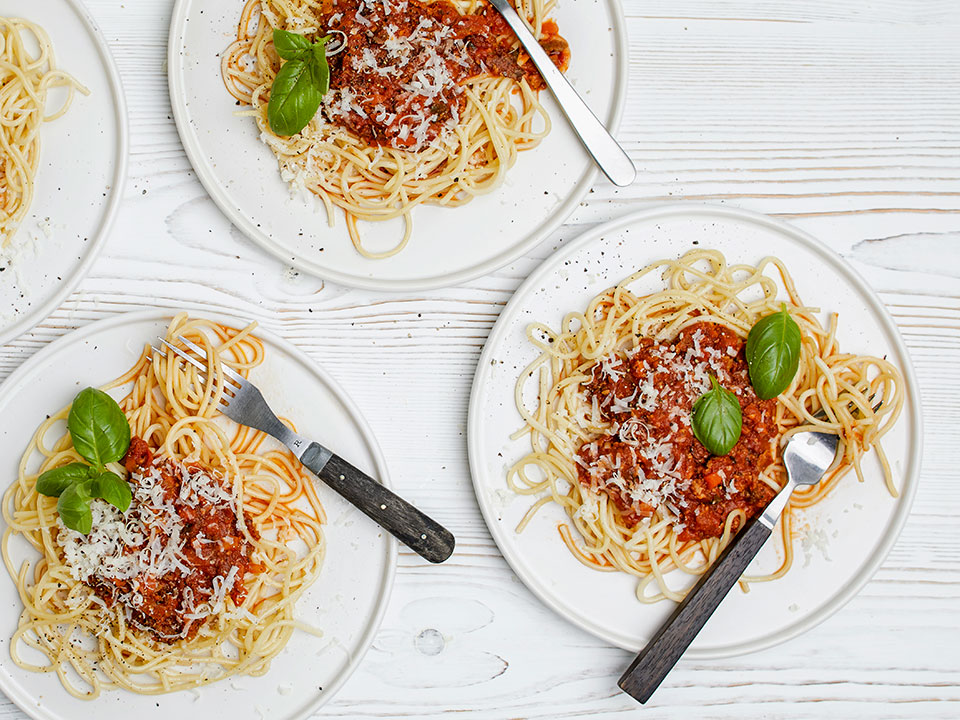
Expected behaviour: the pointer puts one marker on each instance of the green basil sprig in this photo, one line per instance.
(100, 431)
(773, 353)
(300, 85)
(717, 420)
(101, 435)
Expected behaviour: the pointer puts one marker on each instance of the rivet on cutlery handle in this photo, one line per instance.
(414, 529)
(656, 660)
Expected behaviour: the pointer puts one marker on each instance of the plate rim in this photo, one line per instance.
(43, 311)
(14, 380)
(911, 476)
(558, 216)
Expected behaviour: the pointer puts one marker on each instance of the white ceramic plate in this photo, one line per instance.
(83, 163)
(448, 246)
(840, 542)
(348, 599)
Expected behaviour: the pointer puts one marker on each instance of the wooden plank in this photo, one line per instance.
(843, 118)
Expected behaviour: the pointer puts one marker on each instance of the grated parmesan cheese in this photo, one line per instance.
(146, 542)
(654, 478)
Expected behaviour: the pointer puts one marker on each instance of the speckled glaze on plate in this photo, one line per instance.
(348, 599)
(448, 246)
(83, 164)
(838, 544)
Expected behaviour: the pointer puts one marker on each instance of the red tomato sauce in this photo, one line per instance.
(212, 546)
(651, 459)
(399, 81)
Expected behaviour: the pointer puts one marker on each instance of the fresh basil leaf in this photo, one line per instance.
(300, 85)
(289, 45)
(112, 488)
(320, 67)
(717, 420)
(100, 431)
(74, 507)
(294, 98)
(773, 353)
(53, 482)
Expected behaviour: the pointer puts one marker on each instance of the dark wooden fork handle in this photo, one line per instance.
(420, 533)
(653, 663)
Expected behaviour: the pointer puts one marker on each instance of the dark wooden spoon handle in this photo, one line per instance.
(420, 533)
(653, 663)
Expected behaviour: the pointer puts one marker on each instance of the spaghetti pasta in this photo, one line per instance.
(68, 628)
(485, 120)
(25, 80)
(832, 391)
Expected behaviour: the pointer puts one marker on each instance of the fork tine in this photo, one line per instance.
(193, 346)
(197, 364)
(876, 401)
(180, 353)
(202, 353)
(224, 402)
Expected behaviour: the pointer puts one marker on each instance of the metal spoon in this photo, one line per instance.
(807, 456)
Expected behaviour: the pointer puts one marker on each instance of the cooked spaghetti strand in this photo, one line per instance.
(831, 392)
(25, 80)
(398, 128)
(93, 645)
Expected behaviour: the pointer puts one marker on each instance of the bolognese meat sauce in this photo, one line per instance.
(650, 459)
(175, 556)
(399, 81)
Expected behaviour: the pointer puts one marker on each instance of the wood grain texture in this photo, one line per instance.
(841, 117)
(409, 525)
(648, 670)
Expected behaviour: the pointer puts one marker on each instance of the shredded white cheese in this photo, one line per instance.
(146, 541)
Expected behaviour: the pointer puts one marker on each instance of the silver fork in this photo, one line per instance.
(243, 402)
(807, 457)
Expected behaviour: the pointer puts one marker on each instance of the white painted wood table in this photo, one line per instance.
(840, 117)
